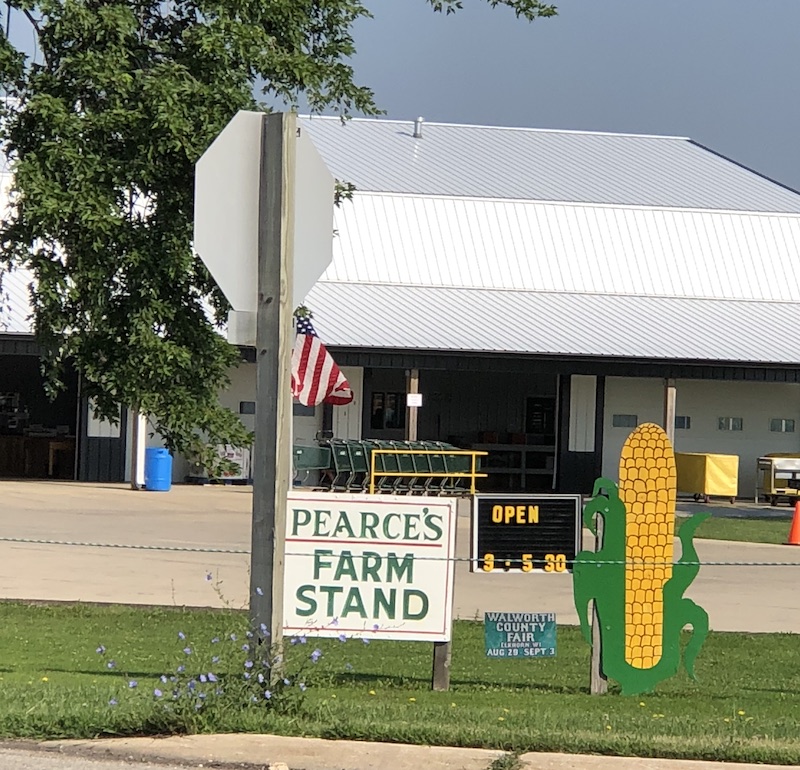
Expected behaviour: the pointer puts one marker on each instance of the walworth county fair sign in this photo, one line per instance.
(525, 533)
(520, 634)
(380, 567)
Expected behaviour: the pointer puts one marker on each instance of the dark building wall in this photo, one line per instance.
(101, 459)
(459, 405)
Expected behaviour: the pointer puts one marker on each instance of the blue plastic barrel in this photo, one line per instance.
(157, 469)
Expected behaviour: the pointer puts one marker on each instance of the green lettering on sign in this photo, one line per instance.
(395, 569)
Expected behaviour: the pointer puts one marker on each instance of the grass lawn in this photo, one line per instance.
(750, 530)
(53, 684)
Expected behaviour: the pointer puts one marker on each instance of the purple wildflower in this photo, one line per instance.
(187, 650)
(181, 669)
(212, 677)
(259, 591)
(208, 576)
(215, 659)
(233, 637)
(101, 650)
(133, 683)
(163, 679)
(335, 622)
(263, 629)
(112, 702)
(215, 640)
(316, 655)
(181, 635)
(111, 664)
(248, 664)
(157, 693)
(366, 641)
(302, 686)
(267, 694)
(245, 647)
(203, 678)
(342, 637)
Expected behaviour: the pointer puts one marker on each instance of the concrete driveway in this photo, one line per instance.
(190, 532)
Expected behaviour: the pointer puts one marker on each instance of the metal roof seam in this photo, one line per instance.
(574, 204)
(513, 290)
(410, 122)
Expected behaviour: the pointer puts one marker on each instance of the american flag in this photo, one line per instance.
(315, 375)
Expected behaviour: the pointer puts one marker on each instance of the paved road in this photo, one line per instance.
(738, 598)
(22, 759)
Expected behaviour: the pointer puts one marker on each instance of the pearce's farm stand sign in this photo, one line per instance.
(520, 634)
(523, 533)
(379, 567)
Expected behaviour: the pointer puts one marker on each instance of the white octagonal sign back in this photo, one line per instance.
(226, 212)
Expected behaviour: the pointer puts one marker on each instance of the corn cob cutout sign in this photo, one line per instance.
(637, 590)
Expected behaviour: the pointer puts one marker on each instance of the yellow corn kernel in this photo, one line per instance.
(647, 487)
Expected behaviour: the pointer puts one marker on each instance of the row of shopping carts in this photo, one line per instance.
(398, 467)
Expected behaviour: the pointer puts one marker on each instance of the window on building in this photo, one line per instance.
(683, 422)
(730, 423)
(780, 425)
(388, 411)
(247, 407)
(624, 420)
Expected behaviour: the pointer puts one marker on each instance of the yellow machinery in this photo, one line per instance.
(777, 476)
(706, 475)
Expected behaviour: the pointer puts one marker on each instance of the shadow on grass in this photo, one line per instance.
(117, 673)
(455, 682)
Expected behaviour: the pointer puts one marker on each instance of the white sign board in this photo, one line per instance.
(413, 399)
(226, 184)
(226, 200)
(372, 566)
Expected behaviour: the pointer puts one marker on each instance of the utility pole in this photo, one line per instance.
(271, 451)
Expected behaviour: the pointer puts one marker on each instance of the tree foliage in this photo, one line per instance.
(103, 128)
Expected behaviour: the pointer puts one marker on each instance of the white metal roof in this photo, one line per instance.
(505, 244)
(15, 302)
(555, 323)
(507, 276)
(15, 299)
(531, 164)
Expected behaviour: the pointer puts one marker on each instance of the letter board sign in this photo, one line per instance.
(371, 566)
(525, 533)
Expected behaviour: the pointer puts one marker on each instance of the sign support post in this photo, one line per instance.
(598, 682)
(271, 466)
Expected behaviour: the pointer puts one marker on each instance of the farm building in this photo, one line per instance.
(547, 286)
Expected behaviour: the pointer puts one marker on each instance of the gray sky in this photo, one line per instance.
(724, 72)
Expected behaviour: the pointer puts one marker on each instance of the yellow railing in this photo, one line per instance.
(471, 475)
